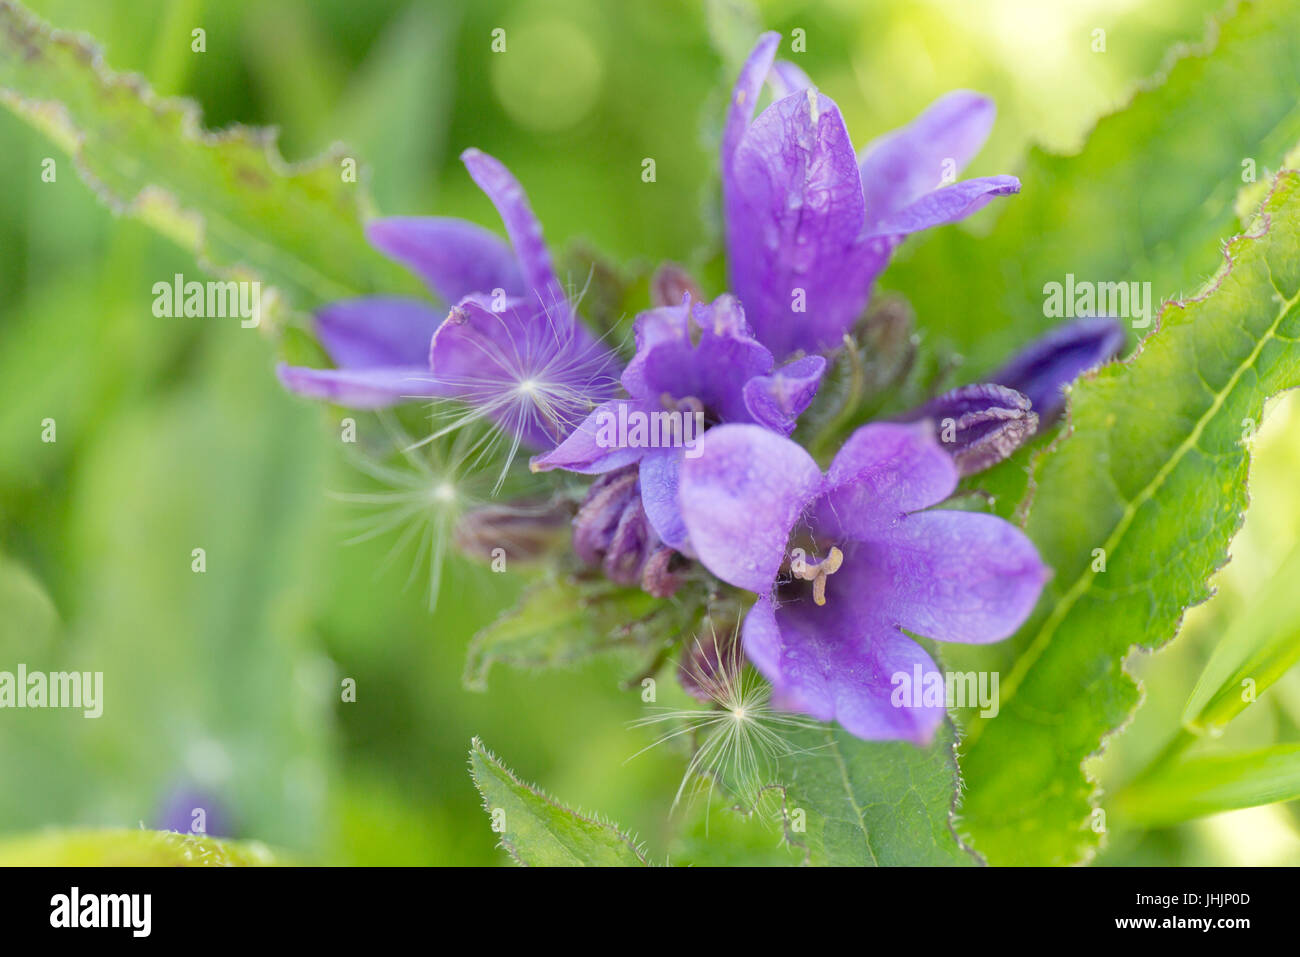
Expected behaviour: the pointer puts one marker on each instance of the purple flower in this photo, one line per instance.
(843, 562)
(191, 810)
(512, 346)
(696, 365)
(810, 224)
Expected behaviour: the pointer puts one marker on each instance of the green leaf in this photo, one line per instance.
(848, 802)
(130, 848)
(1148, 199)
(538, 832)
(1212, 784)
(562, 620)
(227, 197)
(1259, 647)
(1152, 471)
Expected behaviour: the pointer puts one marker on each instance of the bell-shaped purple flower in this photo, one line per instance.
(810, 224)
(843, 562)
(513, 330)
(696, 365)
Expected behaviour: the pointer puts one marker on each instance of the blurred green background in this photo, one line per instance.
(172, 434)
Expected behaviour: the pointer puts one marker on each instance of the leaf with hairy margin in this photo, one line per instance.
(537, 831)
(227, 197)
(868, 803)
(1152, 469)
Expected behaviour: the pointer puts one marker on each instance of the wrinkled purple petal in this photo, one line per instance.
(360, 388)
(741, 497)
(947, 205)
(902, 166)
(882, 471)
(777, 400)
(795, 212)
(950, 576)
(1046, 366)
(454, 257)
(827, 662)
(523, 228)
(365, 333)
(978, 425)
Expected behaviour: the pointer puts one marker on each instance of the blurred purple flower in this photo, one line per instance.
(842, 562)
(810, 224)
(191, 810)
(698, 362)
(512, 347)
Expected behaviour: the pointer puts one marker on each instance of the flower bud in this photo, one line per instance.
(978, 425)
(670, 284)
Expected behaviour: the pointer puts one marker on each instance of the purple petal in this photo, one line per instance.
(777, 400)
(826, 662)
(454, 257)
(704, 351)
(660, 480)
(978, 425)
(883, 471)
(901, 166)
(592, 448)
(950, 576)
(744, 96)
(741, 497)
(365, 333)
(360, 388)
(521, 225)
(1047, 365)
(947, 205)
(795, 212)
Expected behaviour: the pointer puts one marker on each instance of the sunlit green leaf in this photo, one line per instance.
(1134, 511)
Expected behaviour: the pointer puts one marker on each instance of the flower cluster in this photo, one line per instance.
(692, 441)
